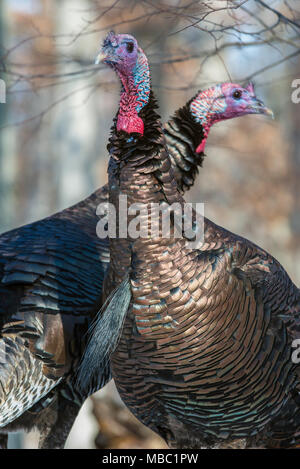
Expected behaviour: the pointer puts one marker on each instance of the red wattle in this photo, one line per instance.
(130, 124)
(200, 148)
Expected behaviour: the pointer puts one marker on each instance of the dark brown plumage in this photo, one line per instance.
(204, 358)
(51, 274)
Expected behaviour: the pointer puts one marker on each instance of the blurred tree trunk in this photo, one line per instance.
(2, 108)
(2, 120)
(7, 135)
(295, 175)
(77, 124)
(36, 177)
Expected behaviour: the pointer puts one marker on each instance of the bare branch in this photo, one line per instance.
(220, 27)
(280, 16)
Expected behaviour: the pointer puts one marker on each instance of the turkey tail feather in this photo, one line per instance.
(104, 334)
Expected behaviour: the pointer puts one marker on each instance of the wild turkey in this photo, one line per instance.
(194, 120)
(51, 276)
(205, 355)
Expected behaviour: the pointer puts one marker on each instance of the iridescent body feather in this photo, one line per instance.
(204, 358)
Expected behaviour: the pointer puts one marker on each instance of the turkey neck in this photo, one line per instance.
(140, 169)
(184, 136)
(139, 165)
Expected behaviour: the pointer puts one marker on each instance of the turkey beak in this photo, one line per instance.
(106, 55)
(268, 112)
(100, 58)
(259, 108)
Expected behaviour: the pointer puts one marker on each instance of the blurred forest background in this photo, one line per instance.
(59, 108)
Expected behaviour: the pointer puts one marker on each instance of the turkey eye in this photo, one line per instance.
(129, 47)
(237, 94)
